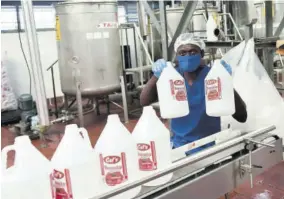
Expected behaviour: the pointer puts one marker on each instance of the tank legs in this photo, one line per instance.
(97, 106)
(108, 105)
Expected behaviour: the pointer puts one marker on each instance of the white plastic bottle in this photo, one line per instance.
(172, 93)
(210, 27)
(29, 176)
(75, 167)
(219, 91)
(118, 157)
(153, 146)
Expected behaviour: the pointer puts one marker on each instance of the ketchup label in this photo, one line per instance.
(61, 184)
(213, 89)
(178, 90)
(113, 169)
(147, 158)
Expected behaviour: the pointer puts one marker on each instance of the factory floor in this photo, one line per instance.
(271, 180)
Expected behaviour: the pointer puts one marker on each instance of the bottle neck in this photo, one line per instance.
(113, 118)
(22, 140)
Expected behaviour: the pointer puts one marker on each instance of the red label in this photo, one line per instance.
(178, 90)
(112, 159)
(213, 89)
(143, 147)
(178, 82)
(113, 169)
(58, 174)
(61, 184)
(147, 157)
(211, 81)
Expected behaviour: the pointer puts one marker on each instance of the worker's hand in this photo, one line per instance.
(227, 66)
(158, 67)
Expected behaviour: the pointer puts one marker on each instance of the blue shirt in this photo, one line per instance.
(197, 124)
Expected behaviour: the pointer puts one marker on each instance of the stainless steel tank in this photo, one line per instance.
(88, 46)
(197, 25)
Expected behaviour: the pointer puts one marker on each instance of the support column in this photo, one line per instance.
(35, 61)
(164, 35)
(268, 53)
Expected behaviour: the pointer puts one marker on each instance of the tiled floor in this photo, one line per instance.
(271, 180)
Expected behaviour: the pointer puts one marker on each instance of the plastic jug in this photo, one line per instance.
(172, 93)
(210, 28)
(153, 146)
(29, 176)
(118, 157)
(219, 91)
(75, 167)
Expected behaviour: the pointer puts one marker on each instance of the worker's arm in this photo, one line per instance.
(241, 112)
(149, 92)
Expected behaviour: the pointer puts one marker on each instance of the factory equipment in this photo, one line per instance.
(88, 47)
(219, 169)
(29, 122)
(197, 26)
(247, 12)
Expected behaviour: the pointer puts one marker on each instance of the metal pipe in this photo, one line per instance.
(33, 47)
(164, 35)
(135, 47)
(235, 25)
(128, 51)
(142, 42)
(152, 15)
(280, 28)
(268, 58)
(187, 161)
(142, 18)
(268, 19)
(182, 26)
(225, 20)
(261, 143)
(152, 43)
(124, 99)
(54, 93)
(79, 103)
(122, 49)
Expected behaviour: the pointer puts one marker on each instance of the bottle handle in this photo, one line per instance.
(85, 136)
(4, 154)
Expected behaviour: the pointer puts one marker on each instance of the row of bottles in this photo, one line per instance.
(219, 92)
(77, 171)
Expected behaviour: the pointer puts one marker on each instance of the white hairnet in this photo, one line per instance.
(188, 38)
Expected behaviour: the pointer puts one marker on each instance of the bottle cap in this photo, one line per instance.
(169, 64)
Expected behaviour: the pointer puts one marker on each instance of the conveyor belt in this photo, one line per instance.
(219, 178)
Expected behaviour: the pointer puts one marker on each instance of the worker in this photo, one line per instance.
(190, 64)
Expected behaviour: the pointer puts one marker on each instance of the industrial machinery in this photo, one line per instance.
(245, 12)
(88, 47)
(218, 169)
(197, 25)
(29, 120)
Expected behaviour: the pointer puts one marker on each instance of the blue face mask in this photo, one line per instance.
(189, 63)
